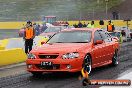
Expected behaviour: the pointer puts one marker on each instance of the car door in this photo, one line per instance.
(97, 50)
(108, 49)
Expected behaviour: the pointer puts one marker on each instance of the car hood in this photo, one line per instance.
(61, 48)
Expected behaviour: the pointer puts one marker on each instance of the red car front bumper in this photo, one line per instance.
(59, 65)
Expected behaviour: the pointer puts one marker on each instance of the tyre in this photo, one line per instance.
(36, 74)
(87, 63)
(115, 59)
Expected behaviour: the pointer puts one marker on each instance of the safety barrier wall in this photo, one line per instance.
(4, 42)
(12, 25)
(18, 25)
(2, 47)
(12, 51)
(19, 42)
(12, 56)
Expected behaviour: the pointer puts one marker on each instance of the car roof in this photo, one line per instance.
(81, 29)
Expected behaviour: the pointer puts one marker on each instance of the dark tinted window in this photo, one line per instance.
(106, 37)
(97, 36)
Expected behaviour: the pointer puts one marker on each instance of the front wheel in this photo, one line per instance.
(115, 59)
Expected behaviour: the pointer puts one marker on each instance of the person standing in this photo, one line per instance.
(101, 24)
(75, 25)
(115, 15)
(110, 27)
(29, 35)
(80, 25)
(84, 25)
(91, 25)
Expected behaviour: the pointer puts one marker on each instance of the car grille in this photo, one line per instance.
(48, 56)
(53, 67)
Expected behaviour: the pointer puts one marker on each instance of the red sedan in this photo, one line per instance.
(69, 50)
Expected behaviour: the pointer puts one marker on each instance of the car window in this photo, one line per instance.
(97, 36)
(71, 37)
(106, 37)
(117, 34)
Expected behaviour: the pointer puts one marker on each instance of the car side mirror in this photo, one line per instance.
(43, 42)
(99, 42)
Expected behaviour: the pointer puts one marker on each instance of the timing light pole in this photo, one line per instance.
(106, 6)
(98, 1)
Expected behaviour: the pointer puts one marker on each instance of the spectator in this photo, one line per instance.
(84, 25)
(67, 24)
(123, 33)
(91, 25)
(44, 27)
(75, 25)
(115, 15)
(101, 22)
(37, 29)
(80, 25)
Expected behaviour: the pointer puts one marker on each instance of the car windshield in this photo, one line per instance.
(71, 37)
(52, 29)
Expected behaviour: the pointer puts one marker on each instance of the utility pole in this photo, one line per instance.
(80, 18)
(93, 13)
(98, 1)
(106, 6)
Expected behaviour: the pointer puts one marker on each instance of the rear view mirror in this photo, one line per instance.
(99, 42)
(43, 42)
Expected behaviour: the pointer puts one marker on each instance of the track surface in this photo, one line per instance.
(23, 79)
(8, 33)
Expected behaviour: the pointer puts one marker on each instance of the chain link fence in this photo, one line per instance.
(71, 16)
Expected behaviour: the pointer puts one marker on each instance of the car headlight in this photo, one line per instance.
(70, 55)
(31, 56)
